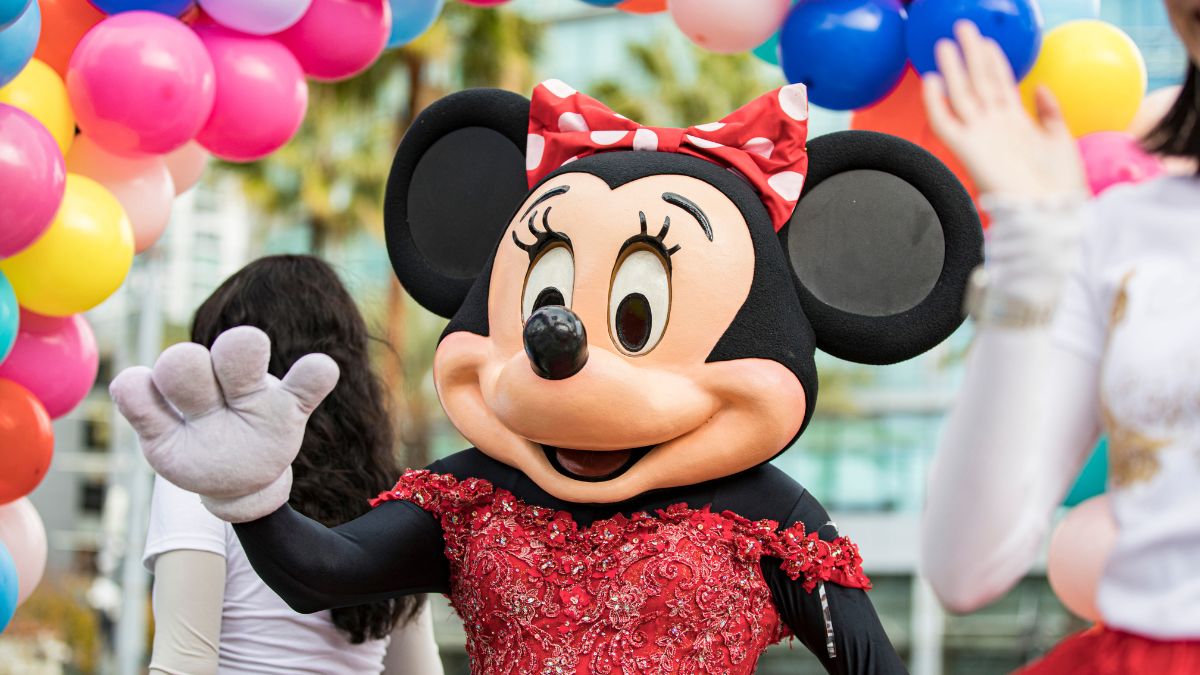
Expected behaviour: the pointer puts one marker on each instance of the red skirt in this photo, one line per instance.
(1102, 651)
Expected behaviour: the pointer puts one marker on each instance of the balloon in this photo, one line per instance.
(1113, 158)
(11, 10)
(141, 82)
(1015, 24)
(1095, 71)
(1079, 548)
(603, 3)
(186, 166)
(1057, 12)
(410, 18)
(728, 27)
(81, 260)
(169, 7)
(643, 6)
(32, 178)
(261, 95)
(769, 50)
(260, 17)
(9, 587)
(22, 531)
(850, 53)
(1092, 478)
(1153, 109)
(142, 185)
(64, 23)
(26, 442)
(18, 42)
(39, 91)
(55, 359)
(10, 317)
(339, 38)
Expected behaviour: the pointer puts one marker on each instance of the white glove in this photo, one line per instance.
(219, 425)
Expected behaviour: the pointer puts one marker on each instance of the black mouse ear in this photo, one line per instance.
(882, 243)
(457, 178)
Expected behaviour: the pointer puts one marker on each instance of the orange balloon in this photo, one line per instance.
(902, 113)
(26, 441)
(64, 23)
(1079, 549)
(643, 6)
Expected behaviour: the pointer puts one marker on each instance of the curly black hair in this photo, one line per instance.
(347, 455)
(1178, 133)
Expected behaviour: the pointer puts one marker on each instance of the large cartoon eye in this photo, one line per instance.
(640, 301)
(550, 280)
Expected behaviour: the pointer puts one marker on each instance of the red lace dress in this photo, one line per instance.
(677, 592)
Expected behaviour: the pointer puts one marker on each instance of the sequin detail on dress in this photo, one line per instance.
(676, 592)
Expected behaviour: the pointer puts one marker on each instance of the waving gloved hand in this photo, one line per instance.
(218, 424)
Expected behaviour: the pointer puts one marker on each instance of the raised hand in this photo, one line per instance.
(975, 107)
(218, 424)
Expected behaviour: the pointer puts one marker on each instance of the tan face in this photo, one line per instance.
(1185, 17)
(645, 411)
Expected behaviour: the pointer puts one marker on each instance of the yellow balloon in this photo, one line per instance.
(1095, 71)
(39, 91)
(80, 260)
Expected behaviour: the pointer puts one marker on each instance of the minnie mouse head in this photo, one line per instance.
(637, 308)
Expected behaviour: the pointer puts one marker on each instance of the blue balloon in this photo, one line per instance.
(1057, 12)
(11, 10)
(169, 7)
(10, 316)
(604, 3)
(18, 41)
(1015, 24)
(410, 18)
(8, 587)
(849, 53)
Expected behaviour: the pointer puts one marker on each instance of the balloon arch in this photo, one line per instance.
(157, 86)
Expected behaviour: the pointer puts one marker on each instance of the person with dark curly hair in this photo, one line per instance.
(213, 614)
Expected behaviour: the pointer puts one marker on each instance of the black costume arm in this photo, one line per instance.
(859, 643)
(395, 549)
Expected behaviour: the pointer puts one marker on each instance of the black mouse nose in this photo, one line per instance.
(555, 342)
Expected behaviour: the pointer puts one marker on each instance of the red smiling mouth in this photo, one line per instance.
(593, 465)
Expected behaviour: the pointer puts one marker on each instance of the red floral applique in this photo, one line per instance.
(681, 591)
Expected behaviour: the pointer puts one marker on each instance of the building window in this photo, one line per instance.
(91, 496)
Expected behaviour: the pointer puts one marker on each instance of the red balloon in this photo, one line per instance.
(643, 6)
(902, 113)
(64, 23)
(26, 441)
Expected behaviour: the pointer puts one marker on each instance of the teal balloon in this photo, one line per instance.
(410, 18)
(1058, 12)
(10, 316)
(1092, 479)
(769, 50)
(8, 587)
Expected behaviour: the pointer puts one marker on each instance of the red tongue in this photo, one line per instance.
(592, 464)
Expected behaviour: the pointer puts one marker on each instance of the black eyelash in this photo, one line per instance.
(656, 242)
(542, 238)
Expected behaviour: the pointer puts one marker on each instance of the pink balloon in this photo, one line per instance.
(24, 535)
(339, 38)
(1114, 157)
(261, 95)
(1079, 548)
(728, 27)
(141, 82)
(142, 184)
(55, 359)
(33, 177)
(186, 165)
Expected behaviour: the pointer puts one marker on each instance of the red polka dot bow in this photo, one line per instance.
(763, 140)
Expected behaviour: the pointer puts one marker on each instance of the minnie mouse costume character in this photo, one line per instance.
(634, 313)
